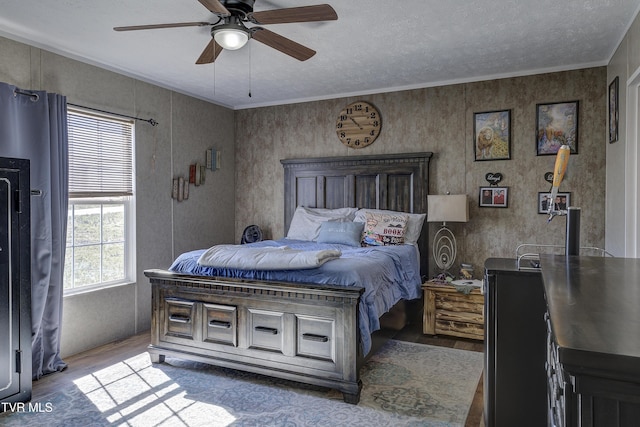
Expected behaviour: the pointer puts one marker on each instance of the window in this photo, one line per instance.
(100, 248)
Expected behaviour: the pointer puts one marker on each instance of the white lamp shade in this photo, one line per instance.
(448, 208)
(230, 38)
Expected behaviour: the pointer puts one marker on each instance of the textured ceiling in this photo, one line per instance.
(374, 46)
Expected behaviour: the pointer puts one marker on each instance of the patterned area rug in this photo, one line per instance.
(405, 384)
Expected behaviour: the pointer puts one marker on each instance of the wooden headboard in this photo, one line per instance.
(398, 182)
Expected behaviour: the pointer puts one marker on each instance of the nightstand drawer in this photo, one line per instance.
(449, 312)
(459, 302)
(459, 329)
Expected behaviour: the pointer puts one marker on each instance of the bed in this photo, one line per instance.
(307, 326)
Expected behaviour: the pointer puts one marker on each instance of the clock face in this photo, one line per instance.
(358, 124)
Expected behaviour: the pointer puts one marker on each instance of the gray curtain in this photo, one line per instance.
(34, 127)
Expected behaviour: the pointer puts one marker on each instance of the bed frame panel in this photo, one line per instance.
(288, 330)
(398, 182)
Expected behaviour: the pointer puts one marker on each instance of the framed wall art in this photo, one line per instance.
(556, 125)
(613, 110)
(563, 200)
(492, 135)
(494, 197)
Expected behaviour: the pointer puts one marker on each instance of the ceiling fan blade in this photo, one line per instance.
(283, 44)
(321, 12)
(156, 26)
(216, 7)
(210, 53)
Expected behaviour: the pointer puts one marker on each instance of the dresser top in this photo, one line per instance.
(594, 307)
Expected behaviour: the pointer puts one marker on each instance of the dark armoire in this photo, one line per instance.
(15, 282)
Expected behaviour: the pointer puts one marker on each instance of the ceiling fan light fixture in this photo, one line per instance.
(230, 38)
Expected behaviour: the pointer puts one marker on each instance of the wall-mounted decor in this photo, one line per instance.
(212, 159)
(180, 189)
(494, 197)
(492, 135)
(556, 125)
(181, 184)
(613, 110)
(358, 124)
(548, 176)
(493, 178)
(197, 174)
(563, 200)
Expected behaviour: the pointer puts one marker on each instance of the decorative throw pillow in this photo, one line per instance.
(305, 224)
(414, 223)
(384, 229)
(344, 233)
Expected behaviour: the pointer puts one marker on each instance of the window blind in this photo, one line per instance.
(100, 155)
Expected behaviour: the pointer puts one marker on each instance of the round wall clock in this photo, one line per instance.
(358, 124)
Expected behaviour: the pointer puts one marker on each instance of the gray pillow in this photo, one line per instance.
(344, 233)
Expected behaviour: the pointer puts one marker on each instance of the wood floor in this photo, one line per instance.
(85, 363)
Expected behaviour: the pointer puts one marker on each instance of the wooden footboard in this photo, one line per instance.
(305, 333)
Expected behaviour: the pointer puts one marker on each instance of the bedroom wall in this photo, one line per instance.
(440, 119)
(622, 212)
(187, 127)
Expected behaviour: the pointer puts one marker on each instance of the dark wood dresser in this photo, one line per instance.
(593, 351)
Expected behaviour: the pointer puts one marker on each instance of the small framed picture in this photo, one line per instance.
(562, 201)
(494, 197)
(613, 110)
(492, 135)
(556, 125)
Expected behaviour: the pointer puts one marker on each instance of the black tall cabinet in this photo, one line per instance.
(515, 379)
(15, 281)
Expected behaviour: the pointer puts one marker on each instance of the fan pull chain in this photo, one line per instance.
(250, 70)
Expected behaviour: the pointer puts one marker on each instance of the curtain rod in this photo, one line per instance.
(35, 97)
(152, 122)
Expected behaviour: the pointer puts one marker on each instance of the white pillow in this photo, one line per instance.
(414, 224)
(305, 224)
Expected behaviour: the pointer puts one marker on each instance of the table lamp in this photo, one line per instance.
(446, 208)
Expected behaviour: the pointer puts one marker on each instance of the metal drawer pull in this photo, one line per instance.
(219, 324)
(179, 319)
(266, 330)
(314, 337)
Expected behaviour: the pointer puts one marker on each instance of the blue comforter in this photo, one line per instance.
(387, 274)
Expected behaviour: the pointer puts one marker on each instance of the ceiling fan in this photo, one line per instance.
(230, 32)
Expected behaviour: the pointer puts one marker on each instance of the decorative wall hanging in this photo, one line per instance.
(212, 160)
(563, 200)
(180, 189)
(493, 178)
(494, 197)
(613, 110)
(492, 135)
(556, 125)
(358, 124)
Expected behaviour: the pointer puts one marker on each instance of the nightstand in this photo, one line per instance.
(450, 312)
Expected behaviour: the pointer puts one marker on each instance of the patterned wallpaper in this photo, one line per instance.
(440, 119)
